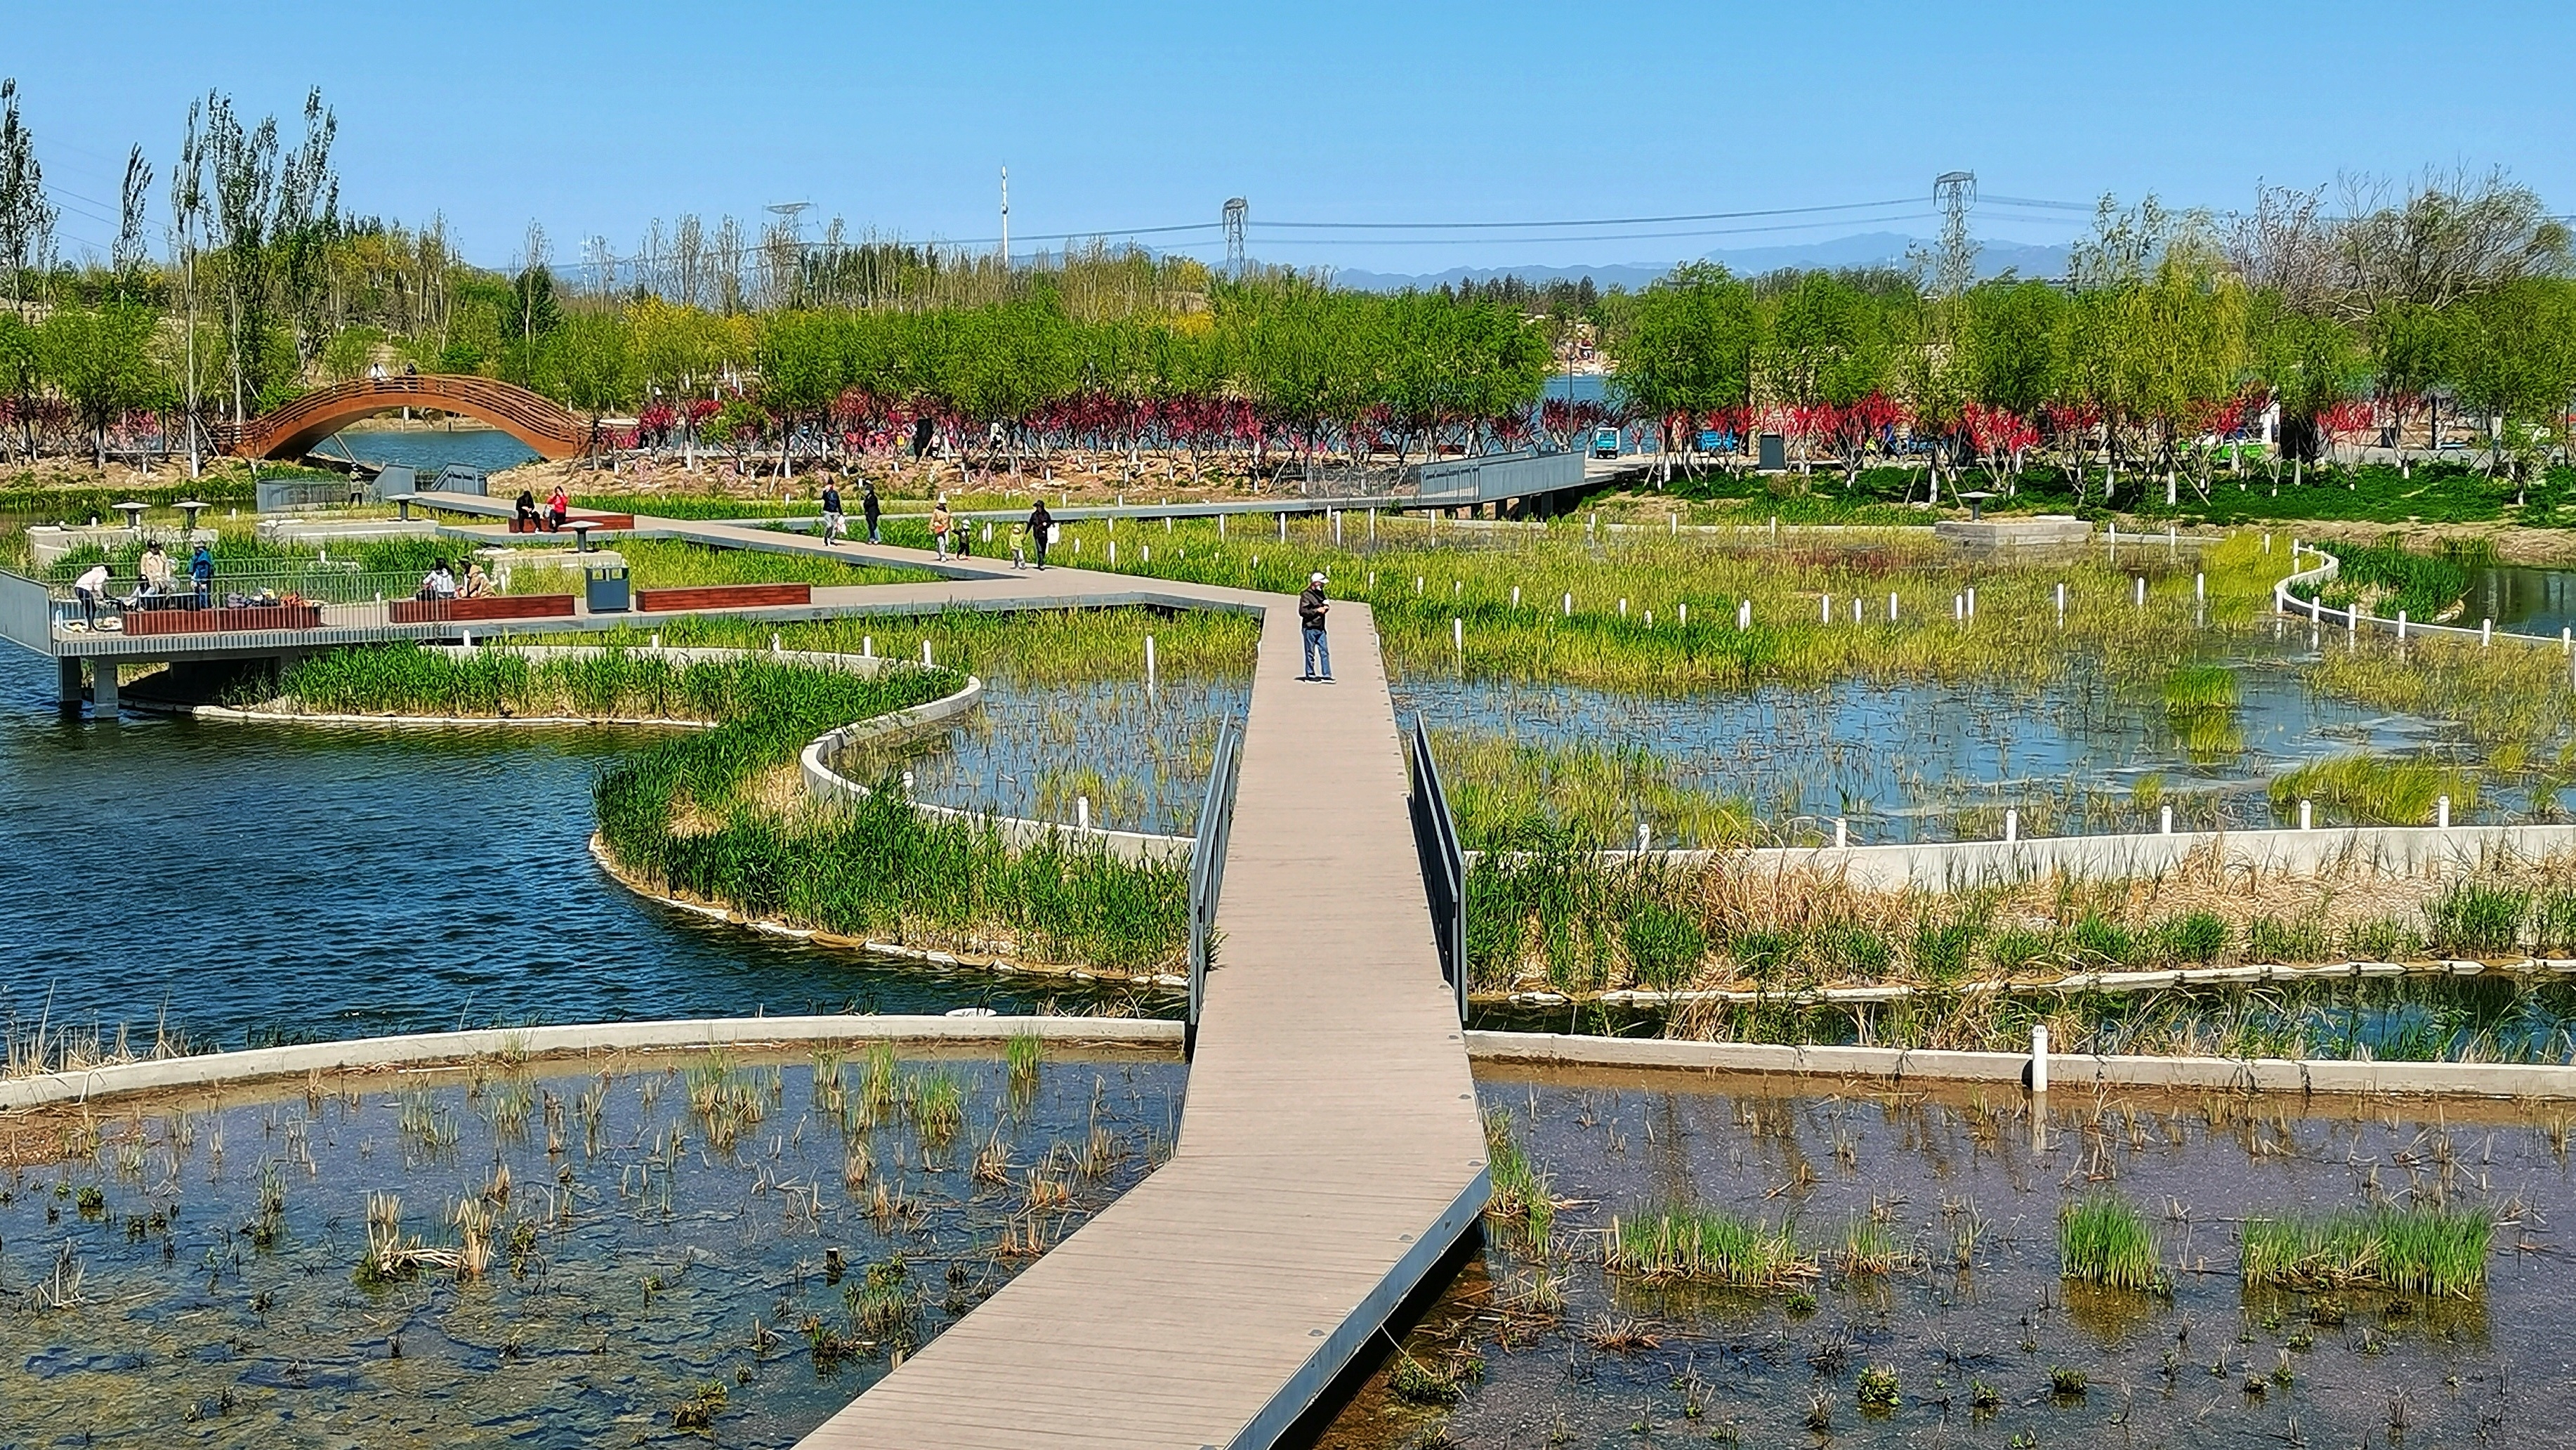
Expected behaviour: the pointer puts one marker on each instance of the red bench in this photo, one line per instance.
(596, 520)
(723, 596)
(243, 619)
(491, 606)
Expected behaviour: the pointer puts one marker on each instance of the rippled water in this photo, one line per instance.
(262, 884)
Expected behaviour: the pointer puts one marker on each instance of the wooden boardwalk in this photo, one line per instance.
(1330, 1154)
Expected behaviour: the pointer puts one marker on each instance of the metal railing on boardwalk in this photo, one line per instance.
(1207, 864)
(1444, 865)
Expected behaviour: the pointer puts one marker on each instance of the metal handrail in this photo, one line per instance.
(1207, 867)
(1444, 865)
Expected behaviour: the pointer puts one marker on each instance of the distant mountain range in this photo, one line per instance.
(1867, 249)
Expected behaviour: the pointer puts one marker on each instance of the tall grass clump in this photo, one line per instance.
(2375, 791)
(2421, 1250)
(2195, 689)
(2390, 577)
(1522, 1195)
(2476, 918)
(1706, 1246)
(1508, 793)
(2103, 1240)
(686, 815)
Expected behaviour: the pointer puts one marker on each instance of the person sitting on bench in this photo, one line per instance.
(558, 508)
(440, 584)
(477, 583)
(526, 523)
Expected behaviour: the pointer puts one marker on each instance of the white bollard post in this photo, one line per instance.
(2401, 626)
(1516, 598)
(1147, 550)
(1417, 585)
(907, 782)
(774, 645)
(1113, 551)
(1685, 609)
(2012, 826)
(2307, 814)
(1283, 528)
(1167, 527)
(1220, 526)
(2486, 633)
(2166, 827)
(2442, 813)
(2142, 591)
(469, 639)
(867, 646)
(1891, 606)
(2061, 606)
(1569, 606)
(925, 654)
(1825, 610)
(1337, 528)
(657, 641)
(1958, 608)
(1645, 836)
(1149, 664)
(1744, 616)
(1458, 635)
(1842, 833)
(2200, 588)
(1372, 524)
(1623, 608)
(1972, 603)
(1082, 813)
(2039, 1061)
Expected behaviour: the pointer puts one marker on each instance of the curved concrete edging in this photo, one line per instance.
(2068, 1071)
(429, 1049)
(824, 783)
(608, 862)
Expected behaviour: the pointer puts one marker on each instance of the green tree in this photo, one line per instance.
(101, 359)
(1685, 347)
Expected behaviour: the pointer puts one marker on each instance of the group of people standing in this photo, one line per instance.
(156, 581)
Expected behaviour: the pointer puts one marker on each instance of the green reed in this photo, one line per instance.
(2415, 1249)
(1038, 647)
(1707, 1246)
(2104, 1240)
(2374, 790)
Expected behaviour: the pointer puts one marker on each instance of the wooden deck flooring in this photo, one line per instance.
(1330, 1153)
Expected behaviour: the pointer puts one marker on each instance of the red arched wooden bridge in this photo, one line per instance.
(290, 429)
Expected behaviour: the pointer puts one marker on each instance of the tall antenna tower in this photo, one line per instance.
(1235, 208)
(1006, 218)
(1955, 192)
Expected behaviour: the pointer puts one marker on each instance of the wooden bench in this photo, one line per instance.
(491, 606)
(239, 620)
(723, 596)
(594, 519)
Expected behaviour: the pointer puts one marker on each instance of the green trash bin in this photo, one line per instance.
(605, 588)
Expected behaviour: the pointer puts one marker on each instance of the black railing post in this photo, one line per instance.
(1444, 865)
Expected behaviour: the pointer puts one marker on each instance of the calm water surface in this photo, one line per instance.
(268, 884)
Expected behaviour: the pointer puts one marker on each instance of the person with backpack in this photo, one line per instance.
(1041, 529)
(1311, 609)
(868, 507)
(832, 519)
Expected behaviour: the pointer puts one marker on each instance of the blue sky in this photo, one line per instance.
(597, 119)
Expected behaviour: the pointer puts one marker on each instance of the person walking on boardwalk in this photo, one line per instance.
(1311, 610)
(868, 507)
(1041, 524)
(940, 523)
(832, 517)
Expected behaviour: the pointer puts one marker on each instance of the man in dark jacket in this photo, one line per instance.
(868, 507)
(831, 515)
(1311, 609)
(1040, 522)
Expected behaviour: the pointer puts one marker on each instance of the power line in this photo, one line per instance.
(1586, 237)
(1636, 221)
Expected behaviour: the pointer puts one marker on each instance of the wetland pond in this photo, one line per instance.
(1929, 1229)
(557, 1255)
(254, 885)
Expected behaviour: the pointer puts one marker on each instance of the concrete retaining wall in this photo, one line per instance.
(2067, 1072)
(435, 1048)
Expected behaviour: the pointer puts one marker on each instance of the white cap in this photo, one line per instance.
(1315, 579)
